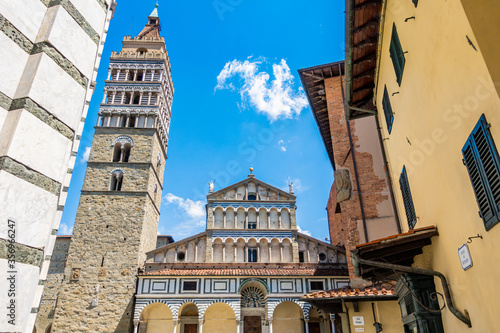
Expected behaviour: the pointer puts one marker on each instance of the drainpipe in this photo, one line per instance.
(347, 313)
(356, 260)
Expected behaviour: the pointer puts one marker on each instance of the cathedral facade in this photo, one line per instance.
(248, 272)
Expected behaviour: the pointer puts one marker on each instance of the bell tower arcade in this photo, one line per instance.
(117, 217)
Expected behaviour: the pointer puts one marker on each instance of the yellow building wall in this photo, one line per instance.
(387, 312)
(446, 86)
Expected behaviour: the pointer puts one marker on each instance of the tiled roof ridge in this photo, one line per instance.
(384, 290)
(249, 271)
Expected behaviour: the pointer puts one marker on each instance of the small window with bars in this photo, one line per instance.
(397, 54)
(407, 199)
(483, 165)
(386, 105)
(189, 285)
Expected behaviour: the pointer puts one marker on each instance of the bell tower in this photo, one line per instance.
(117, 217)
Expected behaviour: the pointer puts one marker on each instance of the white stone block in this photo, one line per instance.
(12, 65)
(50, 85)
(3, 115)
(93, 13)
(62, 31)
(31, 207)
(40, 147)
(26, 16)
(26, 284)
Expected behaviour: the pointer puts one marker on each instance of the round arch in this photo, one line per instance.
(288, 317)
(219, 318)
(156, 318)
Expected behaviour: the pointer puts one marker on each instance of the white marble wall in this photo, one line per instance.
(30, 141)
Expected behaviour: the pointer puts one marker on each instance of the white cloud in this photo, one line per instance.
(305, 232)
(64, 229)
(283, 145)
(86, 155)
(275, 97)
(192, 216)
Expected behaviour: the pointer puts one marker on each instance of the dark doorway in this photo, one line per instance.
(314, 328)
(191, 328)
(253, 325)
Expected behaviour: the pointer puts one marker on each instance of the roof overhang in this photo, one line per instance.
(363, 19)
(313, 81)
(399, 249)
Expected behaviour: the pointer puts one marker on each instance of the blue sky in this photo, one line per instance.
(238, 102)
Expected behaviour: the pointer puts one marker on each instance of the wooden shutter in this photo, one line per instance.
(397, 55)
(482, 162)
(386, 105)
(407, 199)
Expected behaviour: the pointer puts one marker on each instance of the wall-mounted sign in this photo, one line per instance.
(358, 320)
(464, 256)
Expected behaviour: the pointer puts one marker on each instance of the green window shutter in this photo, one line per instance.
(386, 105)
(483, 165)
(397, 55)
(411, 216)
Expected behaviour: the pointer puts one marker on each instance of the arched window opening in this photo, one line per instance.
(137, 99)
(117, 152)
(131, 121)
(116, 181)
(142, 51)
(139, 76)
(126, 152)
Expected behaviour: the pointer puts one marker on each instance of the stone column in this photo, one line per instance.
(144, 74)
(270, 326)
(175, 326)
(149, 98)
(136, 325)
(245, 253)
(135, 75)
(132, 93)
(140, 97)
(246, 221)
(306, 321)
(223, 252)
(127, 123)
(99, 120)
(122, 101)
(235, 252)
(268, 220)
(104, 97)
(332, 321)
(117, 74)
(113, 98)
(108, 120)
(238, 326)
(200, 326)
(258, 219)
(109, 74)
(224, 219)
(279, 219)
(258, 252)
(281, 251)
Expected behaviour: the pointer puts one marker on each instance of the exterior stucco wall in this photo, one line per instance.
(445, 88)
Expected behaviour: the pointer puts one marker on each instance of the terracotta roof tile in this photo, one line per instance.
(387, 290)
(248, 272)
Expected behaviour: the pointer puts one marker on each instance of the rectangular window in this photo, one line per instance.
(252, 255)
(301, 256)
(483, 165)
(252, 225)
(407, 199)
(189, 286)
(316, 285)
(397, 55)
(386, 105)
